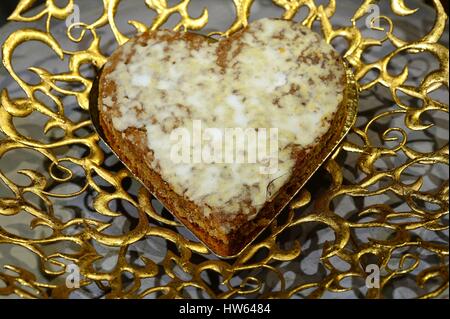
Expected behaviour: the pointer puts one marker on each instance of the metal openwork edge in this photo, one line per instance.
(183, 264)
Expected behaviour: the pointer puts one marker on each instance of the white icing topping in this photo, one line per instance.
(273, 79)
(142, 80)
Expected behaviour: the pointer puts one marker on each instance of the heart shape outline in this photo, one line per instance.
(273, 208)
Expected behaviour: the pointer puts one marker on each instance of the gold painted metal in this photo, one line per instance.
(269, 254)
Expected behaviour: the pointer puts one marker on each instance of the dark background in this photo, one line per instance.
(7, 6)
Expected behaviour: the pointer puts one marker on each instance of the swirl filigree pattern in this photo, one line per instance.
(389, 226)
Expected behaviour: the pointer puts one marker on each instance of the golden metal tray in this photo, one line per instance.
(376, 229)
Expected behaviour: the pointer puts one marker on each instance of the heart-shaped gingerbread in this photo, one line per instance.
(223, 132)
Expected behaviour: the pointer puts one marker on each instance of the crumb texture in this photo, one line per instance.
(276, 74)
